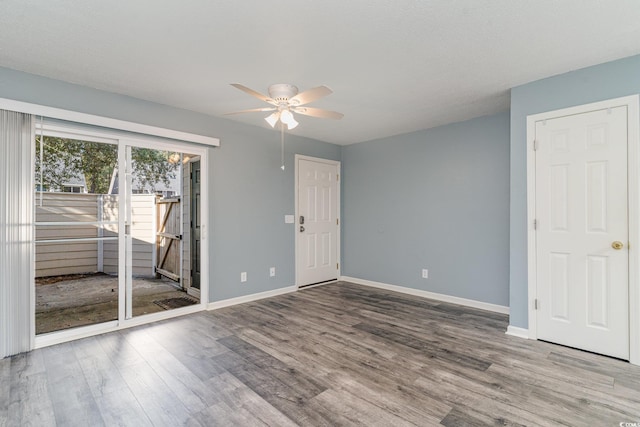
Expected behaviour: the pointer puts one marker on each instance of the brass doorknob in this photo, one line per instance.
(617, 245)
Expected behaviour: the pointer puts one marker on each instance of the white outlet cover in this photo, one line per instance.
(289, 219)
(243, 276)
(272, 272)
(425, 273)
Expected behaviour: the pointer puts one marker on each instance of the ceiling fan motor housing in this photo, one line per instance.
(282, 92)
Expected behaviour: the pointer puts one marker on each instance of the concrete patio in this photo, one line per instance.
(79, 300)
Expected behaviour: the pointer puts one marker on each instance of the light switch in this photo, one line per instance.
(289, 219)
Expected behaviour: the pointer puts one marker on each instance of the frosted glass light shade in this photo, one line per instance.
(287, 118)
(273, 118)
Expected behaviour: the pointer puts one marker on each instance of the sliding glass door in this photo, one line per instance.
(114, 230)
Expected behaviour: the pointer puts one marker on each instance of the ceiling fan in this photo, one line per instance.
(285, 100)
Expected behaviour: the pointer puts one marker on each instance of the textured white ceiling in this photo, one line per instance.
(396, 66)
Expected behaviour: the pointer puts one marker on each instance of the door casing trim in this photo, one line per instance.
(296, 221)
(633, 161)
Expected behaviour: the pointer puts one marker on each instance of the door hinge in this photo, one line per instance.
(337, 221)
(337, 177)
(337, 266)
(535, 145)
(535, 224)
(535, 304)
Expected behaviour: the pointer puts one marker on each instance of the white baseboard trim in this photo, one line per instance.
(430, 295)
(252, 297)
(517, 332)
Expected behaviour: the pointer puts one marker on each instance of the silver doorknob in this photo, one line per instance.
(617, 245)
(301, 228)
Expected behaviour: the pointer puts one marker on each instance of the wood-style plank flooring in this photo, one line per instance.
(339, 354)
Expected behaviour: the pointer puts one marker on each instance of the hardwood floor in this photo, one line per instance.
(339, 354)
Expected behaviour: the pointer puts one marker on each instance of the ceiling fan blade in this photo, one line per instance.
(318, 112)
(310, 95)
(253, 110)
(254, 93)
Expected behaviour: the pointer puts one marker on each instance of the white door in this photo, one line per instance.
(317, 221)
(582, 231)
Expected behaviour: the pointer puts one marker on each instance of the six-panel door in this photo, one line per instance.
(582, 231)
(317, 226)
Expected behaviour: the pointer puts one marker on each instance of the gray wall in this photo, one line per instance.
(436, 199)
(251, 196)
(249, 193)
(597, 83)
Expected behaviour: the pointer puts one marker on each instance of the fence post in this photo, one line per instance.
(100, 215)
(156, 239)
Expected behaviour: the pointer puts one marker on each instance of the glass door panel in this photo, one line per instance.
(76, 229)
(158, 222)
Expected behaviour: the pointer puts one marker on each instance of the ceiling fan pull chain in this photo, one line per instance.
(282, 145)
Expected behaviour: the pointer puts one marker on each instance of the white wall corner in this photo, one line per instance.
(430, 295)
(517, 332)
(249, 298)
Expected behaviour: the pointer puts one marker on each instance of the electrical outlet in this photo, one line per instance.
(425, 273)
(272, 272)
(243, 276)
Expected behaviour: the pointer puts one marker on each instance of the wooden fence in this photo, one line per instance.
(92, 216)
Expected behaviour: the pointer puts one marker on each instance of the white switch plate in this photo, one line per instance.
(243, 276)
(272, 272)
(425, 273)
(289, 219)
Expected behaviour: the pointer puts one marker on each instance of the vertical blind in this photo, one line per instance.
(16, 231)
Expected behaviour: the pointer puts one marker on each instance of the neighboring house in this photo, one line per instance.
(159, 188)
(78, 185)
(73, 185)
